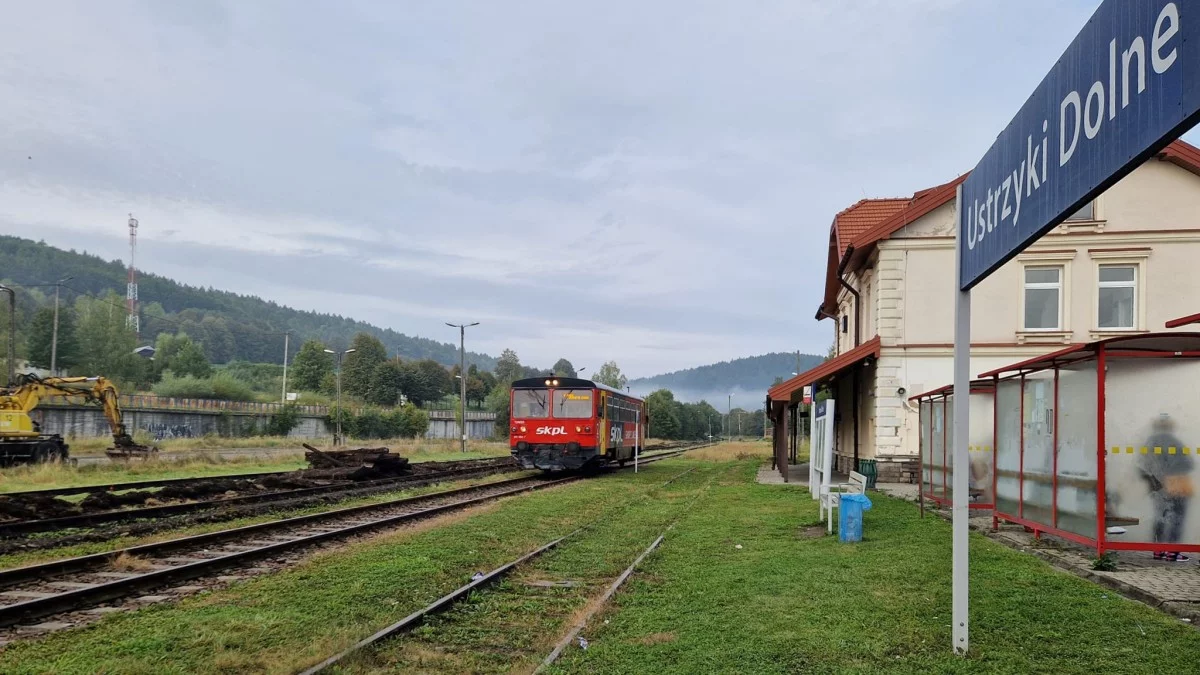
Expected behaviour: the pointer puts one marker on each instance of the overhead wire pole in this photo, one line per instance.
(462, 378)
(12, 333)
(54, 331)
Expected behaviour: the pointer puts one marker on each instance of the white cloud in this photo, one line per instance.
(646, 182)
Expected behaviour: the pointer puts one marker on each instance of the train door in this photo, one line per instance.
(601, 422)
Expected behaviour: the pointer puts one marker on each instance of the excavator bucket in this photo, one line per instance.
(124, 447)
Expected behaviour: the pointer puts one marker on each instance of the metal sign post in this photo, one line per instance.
(637, 435)
(1128, 84)
(960, 509)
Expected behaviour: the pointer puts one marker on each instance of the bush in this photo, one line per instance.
(282, 423)
(415, 422)
(370, 423)
(222, 387)
(408, 421)
(498, 402)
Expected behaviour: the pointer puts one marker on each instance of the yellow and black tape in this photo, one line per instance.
(979, 448)
(1144, 450)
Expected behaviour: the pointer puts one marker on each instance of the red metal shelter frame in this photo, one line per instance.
(1151, 345)
(940, 396)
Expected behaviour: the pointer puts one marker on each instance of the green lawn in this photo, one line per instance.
(785, 602)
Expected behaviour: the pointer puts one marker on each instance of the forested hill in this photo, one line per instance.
(231, 326)
(747, 379)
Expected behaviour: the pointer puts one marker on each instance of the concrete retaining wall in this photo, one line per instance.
(85, 422)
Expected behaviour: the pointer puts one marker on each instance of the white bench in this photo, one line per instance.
(831, 496)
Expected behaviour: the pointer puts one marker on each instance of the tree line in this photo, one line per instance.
(231, 327)
(675, 420)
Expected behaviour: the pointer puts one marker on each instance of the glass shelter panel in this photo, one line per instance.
(926, 417)
(1008, 446)
(1077, 430)
(982, 406)
(1038, 468)
(1152, 432)
(938, 432)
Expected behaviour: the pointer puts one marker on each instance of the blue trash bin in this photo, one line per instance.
(850, 516)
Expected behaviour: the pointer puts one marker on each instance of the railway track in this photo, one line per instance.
(62, 586)
(290, 497)
(137, 485)
(447, 601)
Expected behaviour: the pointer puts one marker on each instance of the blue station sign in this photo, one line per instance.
(1127, 86)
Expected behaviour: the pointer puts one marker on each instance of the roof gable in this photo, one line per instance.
(855, 245)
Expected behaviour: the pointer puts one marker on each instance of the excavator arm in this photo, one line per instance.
(29, 391)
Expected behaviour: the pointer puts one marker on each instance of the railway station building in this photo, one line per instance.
(1124, 265)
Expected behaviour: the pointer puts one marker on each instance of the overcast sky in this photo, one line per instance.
(650, 182)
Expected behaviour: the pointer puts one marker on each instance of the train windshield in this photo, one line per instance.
(529, 403)
(572, 403)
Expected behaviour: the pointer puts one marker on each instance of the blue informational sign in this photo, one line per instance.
(1127, 86)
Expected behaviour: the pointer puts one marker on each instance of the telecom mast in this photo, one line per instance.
(131, 296)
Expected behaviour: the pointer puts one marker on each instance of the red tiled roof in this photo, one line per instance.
(862, 216)
(784, 390)
(856, 244)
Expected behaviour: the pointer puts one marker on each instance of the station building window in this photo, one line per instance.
(1043, 297)
(1116, 297)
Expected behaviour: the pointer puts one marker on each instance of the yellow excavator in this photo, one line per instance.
(21, 439)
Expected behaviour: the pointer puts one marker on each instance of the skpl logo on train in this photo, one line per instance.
(569, 423)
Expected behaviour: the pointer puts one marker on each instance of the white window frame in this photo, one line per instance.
(1027, 286)
(1134, 259)
(1092, 219)
(1095, 225)
(1062, 334)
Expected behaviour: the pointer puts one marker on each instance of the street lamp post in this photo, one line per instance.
(337, 437)
(462, 371)
(54, 331)
(287, 335)
(729, 417)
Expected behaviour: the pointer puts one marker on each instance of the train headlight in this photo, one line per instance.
(554, 383)
(578, 429)
(522, 429)
(514, 429)
(587, 429)
(547, 383)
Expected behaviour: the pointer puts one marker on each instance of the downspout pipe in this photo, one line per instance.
(857, 341)
(857, 309)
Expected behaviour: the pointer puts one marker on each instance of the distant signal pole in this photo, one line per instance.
(462, 376)
(131, 291)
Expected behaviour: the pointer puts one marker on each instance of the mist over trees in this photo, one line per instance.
(747, 379)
